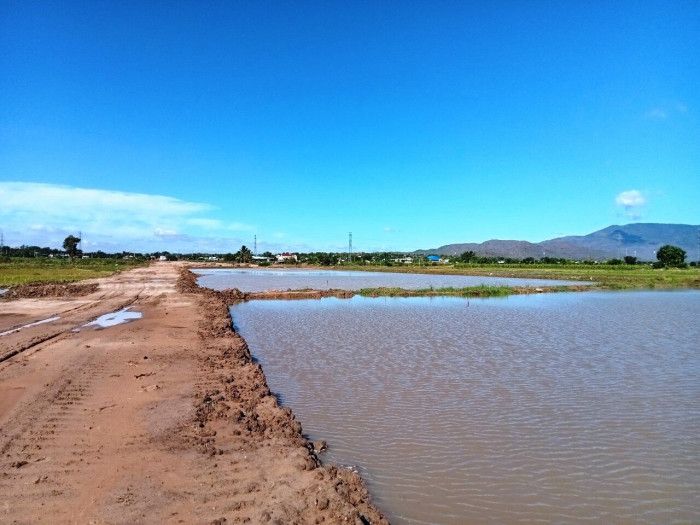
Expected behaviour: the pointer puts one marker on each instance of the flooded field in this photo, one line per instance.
(260, 280)
(551, 408)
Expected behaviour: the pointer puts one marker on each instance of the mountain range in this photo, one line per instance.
(638, 239)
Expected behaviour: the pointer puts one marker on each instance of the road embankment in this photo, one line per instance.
(238, 409)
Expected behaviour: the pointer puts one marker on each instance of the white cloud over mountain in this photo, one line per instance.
(632, 201)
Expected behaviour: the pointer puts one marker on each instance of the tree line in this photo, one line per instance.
(668, 256)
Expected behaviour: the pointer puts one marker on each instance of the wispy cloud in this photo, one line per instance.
(240, 227)
(656, 114)
(208, 224)
(666, 111)
(39, 213)
(632, 202)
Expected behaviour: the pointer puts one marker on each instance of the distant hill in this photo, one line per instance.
(640, 239)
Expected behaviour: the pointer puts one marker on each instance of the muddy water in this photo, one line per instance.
(261, 280)
(544, 408)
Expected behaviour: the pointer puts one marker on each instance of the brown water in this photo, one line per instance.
(260, 280)
(547, 408)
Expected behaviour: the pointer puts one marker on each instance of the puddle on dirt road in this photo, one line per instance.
(124, 315)
(49, 320)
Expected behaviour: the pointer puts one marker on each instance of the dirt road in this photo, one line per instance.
(165, 418)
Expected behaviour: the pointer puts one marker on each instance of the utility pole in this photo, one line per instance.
(350, 247)
(255, 245)
(2, 242)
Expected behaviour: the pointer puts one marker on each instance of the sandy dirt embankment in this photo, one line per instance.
(162, 419)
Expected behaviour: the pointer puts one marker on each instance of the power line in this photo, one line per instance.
(350, 247)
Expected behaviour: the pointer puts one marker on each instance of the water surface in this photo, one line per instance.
(540, 408)
(115, 318)
(30, 325)
(259, 280)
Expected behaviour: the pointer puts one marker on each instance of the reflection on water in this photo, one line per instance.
(248, 280)
(35, 323)
(115, 318)
(554, 408)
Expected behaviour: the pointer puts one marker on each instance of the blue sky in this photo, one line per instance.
(196, 125)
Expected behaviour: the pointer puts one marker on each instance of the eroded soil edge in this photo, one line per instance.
(237, 410)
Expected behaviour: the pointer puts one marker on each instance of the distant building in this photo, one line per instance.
(162, 258)
(433, 258)
(286, 256)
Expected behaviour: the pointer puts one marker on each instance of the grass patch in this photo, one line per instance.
(469, 291)
(607, 277)
(45, 270)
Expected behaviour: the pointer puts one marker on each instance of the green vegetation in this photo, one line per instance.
(30, 270)
(31, 264)
(244, 255)
(605, 276)
(469, 291)
(70, 244)
(671, 256)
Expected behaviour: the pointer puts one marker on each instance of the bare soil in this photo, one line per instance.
(163, 419)
(50, 290)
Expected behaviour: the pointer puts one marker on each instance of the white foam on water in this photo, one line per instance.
(49, 320)
(115, 318)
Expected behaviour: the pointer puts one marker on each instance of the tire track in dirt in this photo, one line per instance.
(49, 427)
(70, 320)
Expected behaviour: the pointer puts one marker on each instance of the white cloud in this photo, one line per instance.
(207, 224)
(630, 198)
(39, 213)
(656, 114)
(632, 201)
(216, 224)
(163, 232)
(666, 111)
(240, 227)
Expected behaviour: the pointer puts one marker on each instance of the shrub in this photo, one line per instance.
(670, 255)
